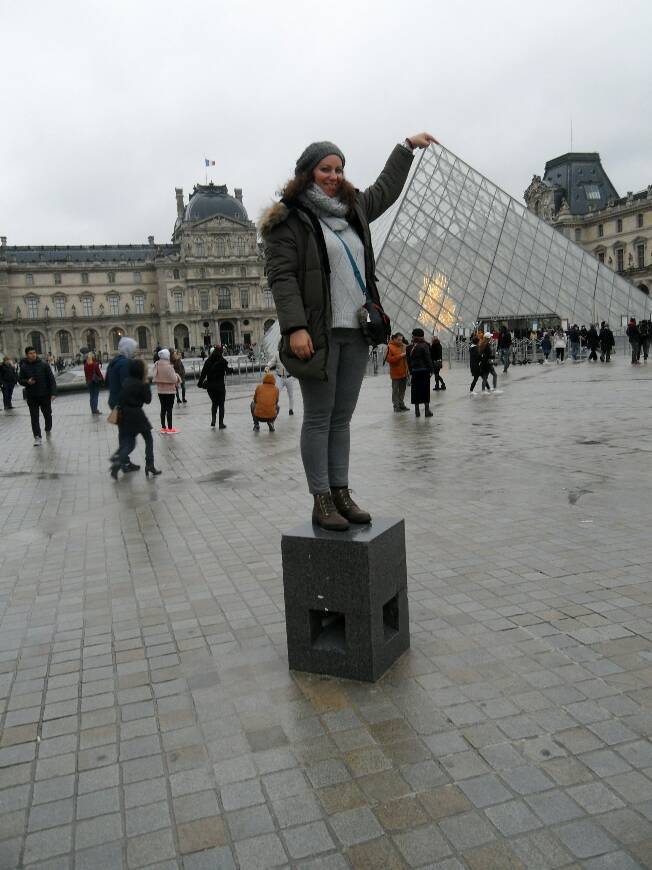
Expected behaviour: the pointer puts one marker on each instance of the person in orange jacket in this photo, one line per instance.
(398, 370)
(264, 407)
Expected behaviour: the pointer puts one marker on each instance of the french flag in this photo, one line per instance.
(209, 162)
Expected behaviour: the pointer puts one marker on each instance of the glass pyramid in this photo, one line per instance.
(456, 250)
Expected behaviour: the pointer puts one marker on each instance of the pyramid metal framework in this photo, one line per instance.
(456, 250)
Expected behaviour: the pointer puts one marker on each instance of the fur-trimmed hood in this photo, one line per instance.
(272, 217)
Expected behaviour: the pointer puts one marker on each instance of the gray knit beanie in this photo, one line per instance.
(314, 154)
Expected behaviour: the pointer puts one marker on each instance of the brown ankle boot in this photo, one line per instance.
(347, 507)
(325, 514)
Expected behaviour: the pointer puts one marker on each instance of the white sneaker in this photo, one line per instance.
(37, 441)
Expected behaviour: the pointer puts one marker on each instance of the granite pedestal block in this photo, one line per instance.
(346, 607)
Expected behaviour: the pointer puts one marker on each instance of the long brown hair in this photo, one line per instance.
(297, 185)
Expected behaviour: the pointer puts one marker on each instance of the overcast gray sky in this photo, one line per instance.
(107, 106)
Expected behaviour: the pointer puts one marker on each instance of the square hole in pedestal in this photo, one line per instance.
(390, 618)
(327, 630)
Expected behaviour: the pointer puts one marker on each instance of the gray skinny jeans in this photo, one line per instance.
(327, 410)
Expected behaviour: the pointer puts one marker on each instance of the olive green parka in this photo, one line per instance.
(297, 265)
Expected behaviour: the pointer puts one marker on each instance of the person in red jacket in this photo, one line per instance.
(94, 380)
(398, 370)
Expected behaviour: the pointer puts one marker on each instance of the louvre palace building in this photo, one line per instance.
(203, 288)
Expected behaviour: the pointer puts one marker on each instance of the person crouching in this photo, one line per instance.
(264, 408)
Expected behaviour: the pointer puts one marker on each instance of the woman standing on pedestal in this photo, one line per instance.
(319, 255)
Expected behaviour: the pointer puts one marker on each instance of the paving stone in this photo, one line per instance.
(199, 805)
(554, 807)
(107, 857)
(467, 830)
(201, 834)
(595, 797)
(497, 856)
(526, 780)
(421, 845)
(47, 844)
(369, 856)
(142, 820)
(585, 839)
(485, 790)
(307, 840)
(345, 796)
(513, 817)
(355, 826)
(51, 815)
(261, 852)
(211, 859)
(101, 829)
(150, 849)
(446, 801)
(98, 803)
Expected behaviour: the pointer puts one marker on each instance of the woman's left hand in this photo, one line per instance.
(422, 140)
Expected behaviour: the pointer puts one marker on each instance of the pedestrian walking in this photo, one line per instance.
(319, 257)
(398, 370)
(559, 342)
(546, 346)
(644, 339)
(575, 339)
(421, 368)
(634, 340)
(265, 407)
(116, 372)
(135, 393)
(94, 380)
(505, 347)
(436, 354)
(166, 380)
(607, 343)
(40, 389)
(8, 379)
(485, 349)
(284, 380)
(212, 380)
(593, 342)
(180, 369)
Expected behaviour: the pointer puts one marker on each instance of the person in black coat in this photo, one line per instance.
(607, 342)
(505, 347)
(436, 356)
(40, 388)
(8, 378)
(593, 342)
(634, 337)
(475, 364)
(421, 368)
(135, 393)
(212, 380)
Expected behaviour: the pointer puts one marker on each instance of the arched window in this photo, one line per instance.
(115, 335)
(91, 339)
(36, 341)
(114, 304)
(181, 337)
(178, 300)
(139, 303)
(64, 342)
(227, 334)
(141, 337)
(175, 274)
(220, 246)
(199, 248)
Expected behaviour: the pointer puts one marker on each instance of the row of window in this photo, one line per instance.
(639, 263)
(90, 340)
(224, 299)
(619, 227)
(110, 277)
(87, 306)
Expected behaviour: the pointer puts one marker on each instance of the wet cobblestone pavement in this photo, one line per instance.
(149, 717)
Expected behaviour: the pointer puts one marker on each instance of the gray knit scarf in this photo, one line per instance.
(322, 204)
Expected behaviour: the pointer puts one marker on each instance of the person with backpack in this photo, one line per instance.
(505, 347)
(211, 379)
(114, 377)
(8, 379)
(607, 343)
(644, 338)
(135, 393)
(436, 354)
(546, 346)
(634, 337)
(398, 370)
(421, 368)
(593, 342)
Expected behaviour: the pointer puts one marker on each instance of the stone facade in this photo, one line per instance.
(207, 286)
(616, 230)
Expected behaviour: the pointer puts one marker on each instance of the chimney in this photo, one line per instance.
(179, 193)
(3, 241)
(238, 193)
(150, 240)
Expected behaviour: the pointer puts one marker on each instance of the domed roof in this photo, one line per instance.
(208, 200)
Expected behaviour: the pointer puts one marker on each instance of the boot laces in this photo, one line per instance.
(344, 495)
(326, 503)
